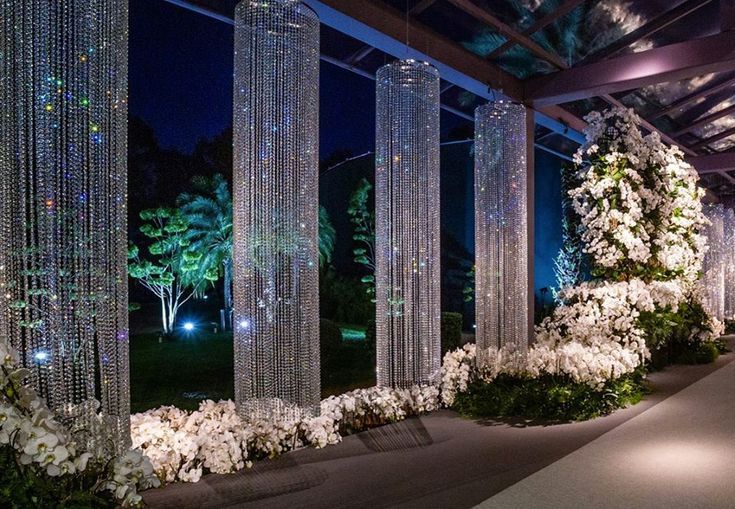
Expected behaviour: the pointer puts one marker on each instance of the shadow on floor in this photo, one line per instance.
(406, 434)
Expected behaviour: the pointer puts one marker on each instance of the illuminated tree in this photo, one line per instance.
(208, 212)
(363, 220)
(173, 274)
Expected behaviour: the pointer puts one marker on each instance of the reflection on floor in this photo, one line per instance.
(649, 455)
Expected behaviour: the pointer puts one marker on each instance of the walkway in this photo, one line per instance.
(673, 450)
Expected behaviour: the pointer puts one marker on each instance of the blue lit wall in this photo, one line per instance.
(548, 219)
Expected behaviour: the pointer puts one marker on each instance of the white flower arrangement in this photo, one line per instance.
(639, 203)
(48, 448)
(182, 446)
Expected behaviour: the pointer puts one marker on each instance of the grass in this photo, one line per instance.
(185, 369)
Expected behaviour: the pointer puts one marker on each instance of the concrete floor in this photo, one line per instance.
(680, 453)
(443, 460)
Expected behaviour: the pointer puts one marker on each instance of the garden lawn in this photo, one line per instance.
(186, 369)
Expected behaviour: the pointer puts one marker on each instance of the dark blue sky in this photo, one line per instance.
(181, 82)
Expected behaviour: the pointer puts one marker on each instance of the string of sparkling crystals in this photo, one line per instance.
(408, 278)
(501, 226)
(729, 254)
(63, 181)
(276, 270)
(713, 282)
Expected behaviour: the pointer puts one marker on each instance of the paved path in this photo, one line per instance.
(680, 453)
(442, 460)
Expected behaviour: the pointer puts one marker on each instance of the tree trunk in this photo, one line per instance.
(164, 320)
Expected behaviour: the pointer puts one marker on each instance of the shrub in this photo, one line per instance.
(451, 333)
(698, 353)
(548, 397)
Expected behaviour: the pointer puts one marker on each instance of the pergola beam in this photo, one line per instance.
(724, 112)
(715, 53)
(651, 128)
(543, 22)
(655, 25)
(359, 54)
(694, 96)
(714, 163)
(509, 33)
(421, 7)
(712, 139)
(383, 27)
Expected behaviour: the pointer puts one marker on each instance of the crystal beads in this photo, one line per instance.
(729, 261)
(63, 218)
(275, 208)
(501, 227)
(408, 278)
(713, 282)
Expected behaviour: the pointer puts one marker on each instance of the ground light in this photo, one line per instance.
(188, 326)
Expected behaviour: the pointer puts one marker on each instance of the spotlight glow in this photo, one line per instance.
(188, 326)
(41, 356)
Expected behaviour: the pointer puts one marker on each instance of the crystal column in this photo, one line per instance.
(713, 282)
(501, 227)
(275, 207)
(63, 218)
(408, 277)
(729, 254)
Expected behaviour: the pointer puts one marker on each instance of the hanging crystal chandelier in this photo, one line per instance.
(408, 277)
(63, 218)
(501, 227)
(729, 261)
(713, 282)
(275, 207)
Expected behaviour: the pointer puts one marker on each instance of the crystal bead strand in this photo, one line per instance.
(713, 282)
(729, 261)
(501, 227)
(63, 218)
(408, 277)
(276, 283)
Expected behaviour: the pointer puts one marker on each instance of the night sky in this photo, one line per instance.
(181, 82)
(181, 66)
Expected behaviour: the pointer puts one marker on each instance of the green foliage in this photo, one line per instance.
(172, 268)
(469, 289)
(343, 300)
(22, 488)
(327, 237)
(548, 398)
(208, 212)
(363, 221)
(698, 353)
(569, 262)
(451, 333)
(668, 335)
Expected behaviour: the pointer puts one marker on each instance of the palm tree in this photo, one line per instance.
(327, 236)
(209, 212)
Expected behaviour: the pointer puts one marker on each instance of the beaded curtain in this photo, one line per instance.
(713, 282)
(729, 254)
(275, 208)
(501, 226)
(407, 237)
(63, 218)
